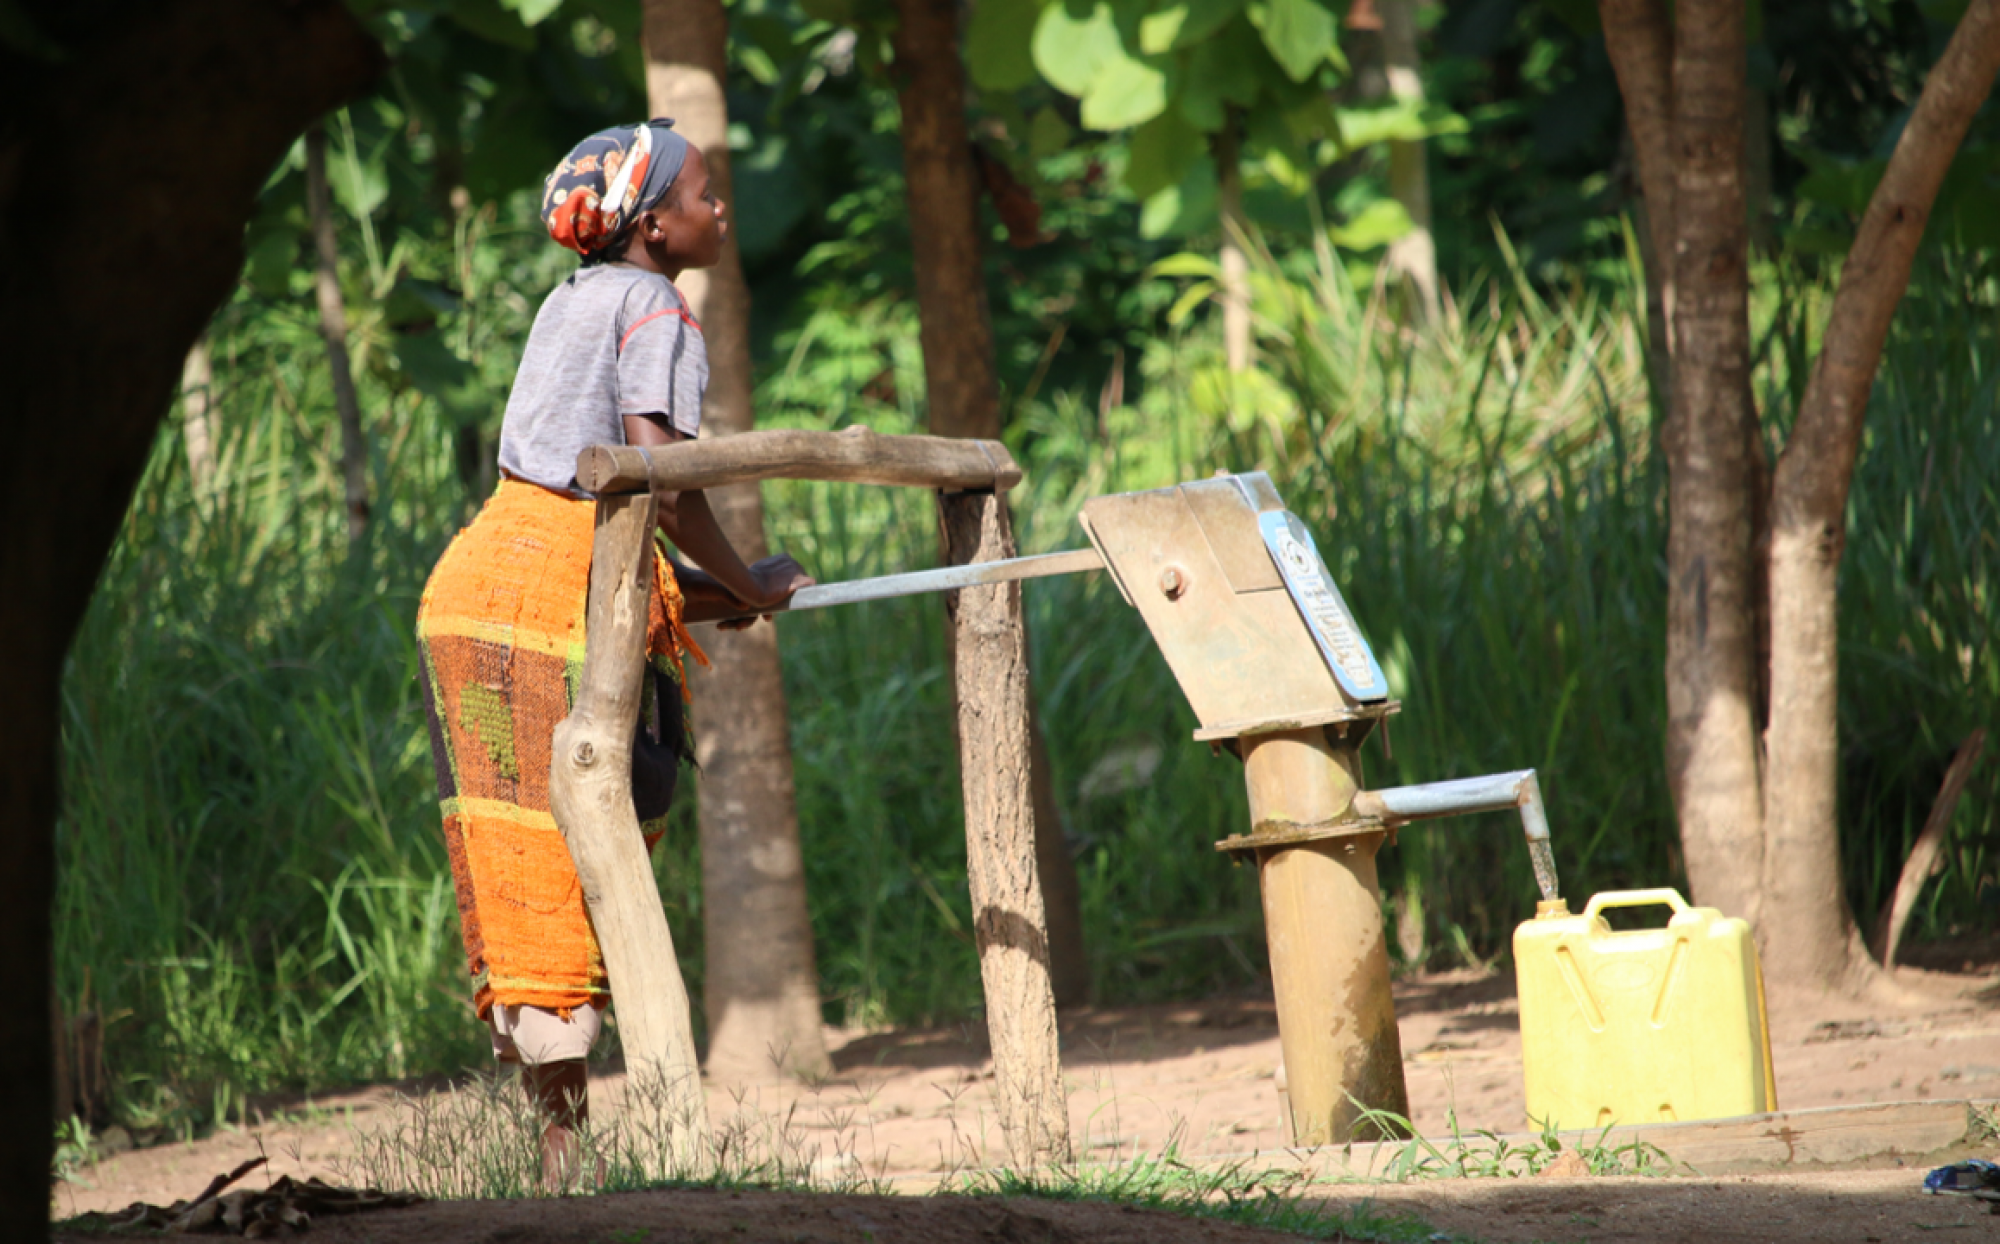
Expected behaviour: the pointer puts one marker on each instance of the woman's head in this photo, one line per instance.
(639, 193)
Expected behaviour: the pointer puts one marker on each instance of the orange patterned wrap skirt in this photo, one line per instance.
(501, 632)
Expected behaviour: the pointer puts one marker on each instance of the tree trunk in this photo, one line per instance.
(1640, 42)
(333, 328)
(1713, 753)
(1235, 231)
(962, 389)
(224, 87)
(761, 990)
(1008, 912)
(197, 416)
(1801, 864)
(1412, 258)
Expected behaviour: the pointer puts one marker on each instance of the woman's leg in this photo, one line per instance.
(561, 1092)
(551, 1050)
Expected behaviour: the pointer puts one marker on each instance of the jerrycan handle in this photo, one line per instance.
(1634, 898)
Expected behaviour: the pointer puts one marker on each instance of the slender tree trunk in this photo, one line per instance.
(197, 414)
(1640, 42)
(1413, 257)
(761, 991)
(956, 328)
(333, 328)
(1236, 345)
(1713, 751)
(962, 389)
(224, 87)
(1801, 865)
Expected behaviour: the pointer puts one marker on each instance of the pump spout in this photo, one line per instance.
(1399, 805)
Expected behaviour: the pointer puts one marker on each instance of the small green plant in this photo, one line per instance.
(76, 1148)
(1485, 1154)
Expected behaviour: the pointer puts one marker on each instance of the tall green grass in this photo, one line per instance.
(253, 896)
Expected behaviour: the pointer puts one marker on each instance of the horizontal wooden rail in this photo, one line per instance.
(853, 456)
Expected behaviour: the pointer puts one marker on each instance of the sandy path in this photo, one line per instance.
(1197, 1075)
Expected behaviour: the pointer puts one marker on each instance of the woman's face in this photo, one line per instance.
(688, 229)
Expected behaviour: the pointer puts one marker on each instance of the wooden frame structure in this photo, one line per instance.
(590, 776)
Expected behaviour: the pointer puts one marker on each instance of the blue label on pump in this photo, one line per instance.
(1325, 612)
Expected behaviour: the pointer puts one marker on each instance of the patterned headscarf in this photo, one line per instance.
(608, 180)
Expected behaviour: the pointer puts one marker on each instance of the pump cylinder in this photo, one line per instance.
(1329, 950)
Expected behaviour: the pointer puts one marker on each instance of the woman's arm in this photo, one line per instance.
(690, 524)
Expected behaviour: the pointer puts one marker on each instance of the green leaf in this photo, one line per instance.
(1230, 68)
(1403, 121)
(1378, 224)
(1187, 263)
(1299, 34)
(1071, 52)
(1193, 296)
(1198, 102)
(1184, 24)
(1184, 209)
(1161, 153)
(1844, 185)
(1314, 119)
(359, 185)
(999, 44)
(270, 254)
(1125, 93)
(1048, 133)
(531, 11)
(1295, 179)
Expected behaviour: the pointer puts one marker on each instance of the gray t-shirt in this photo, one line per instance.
(611, 341)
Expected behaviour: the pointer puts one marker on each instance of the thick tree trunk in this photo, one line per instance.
(198, 416)
(962, 389)
(1008, 918)
(333, 329)
(1640, 42)
(1713, 752)
(1801, 865)
(1412, 258)
(762, 986)
(224, 87)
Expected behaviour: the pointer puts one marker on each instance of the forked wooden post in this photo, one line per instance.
(1010, 922)
(590, 791)
(591, 781)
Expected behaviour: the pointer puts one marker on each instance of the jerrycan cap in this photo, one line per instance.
(1551, 909)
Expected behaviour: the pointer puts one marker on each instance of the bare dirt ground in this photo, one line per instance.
(914, 1106)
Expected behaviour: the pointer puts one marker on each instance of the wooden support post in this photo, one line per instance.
(590, 790)
(1010, 923)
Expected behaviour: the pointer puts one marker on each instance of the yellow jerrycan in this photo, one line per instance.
(1641, 1026)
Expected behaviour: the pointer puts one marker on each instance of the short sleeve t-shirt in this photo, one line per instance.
(611, 341)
